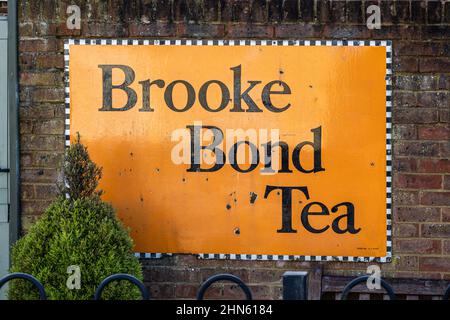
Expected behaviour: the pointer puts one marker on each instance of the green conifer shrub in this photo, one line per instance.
(77, 229)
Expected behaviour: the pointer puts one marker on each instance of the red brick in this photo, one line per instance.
(446, 214)
(405, 165)
(434, 263)
(304, 31)
(404, 132)
(434, 165)
(406, 230)
(418, 48)
(261, 292)
(435, 230)
(249, 31)
(417, 148)
(415, 115)
(41, 79)
(446, 247)
(405, 198)
(137, 29)
(50, 61)
(34, 207)
(185, 290)
(418, 246)
(161, 290)
(405, 64)
(435, 198)
(431, 99)
(46, 191)
(435, 132)
(48, 95)
(163, 274)
(418, 181)
(434, 65)
(200, 30)
(265, 275)
(404, 99)
(407, 263)
(38, 45)
(417, 214)
(27, 192)
(39, 175)
(42, 142)
(50, 126)
(446, 183)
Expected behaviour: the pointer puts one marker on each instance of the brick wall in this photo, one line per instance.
(420, 31)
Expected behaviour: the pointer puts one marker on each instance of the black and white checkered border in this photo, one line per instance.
(382, 43)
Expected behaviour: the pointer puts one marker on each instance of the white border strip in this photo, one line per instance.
(377, 43)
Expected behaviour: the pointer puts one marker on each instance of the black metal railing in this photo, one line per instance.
(223, 277)
(296, 289)
(386, 286)
(119, 277)
(26, 276)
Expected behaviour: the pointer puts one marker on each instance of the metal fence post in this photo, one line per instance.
(295, 285)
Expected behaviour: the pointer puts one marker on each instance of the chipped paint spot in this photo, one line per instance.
(253, 197)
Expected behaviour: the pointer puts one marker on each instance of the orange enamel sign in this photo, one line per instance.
(261, 148)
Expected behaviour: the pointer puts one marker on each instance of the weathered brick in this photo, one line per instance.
(249, 31)
(42, 142)
(446, 247)
(405, 165)
(404, 198)
(405, 64)
(435, 198)
(433, 99)
(434, 132)
(418, 11)
(265, 275)
(446, 214)
(434, 263)
(27, 191)
(39, 175)
(437, 64)
(345, 31)
(46, 191)
(299, 31)
(289, 10)
(38, 45)
(446, 183)
(418, 181)
(404, 131)
(183, 290)
(435, 230)
(415, 115)
(34, 207)
(161, 290)
(434, 165)
(413, 81)
(418, 246)
(407, 263)
(50, 61)
(435, 11)
(48, 95)
(157, 29)
(404, 99)
(41, 79)
(420, 148)
(406, 230)
(417, 214)
(201, 30)
(409, 48)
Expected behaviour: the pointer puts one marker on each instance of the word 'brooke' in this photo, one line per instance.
(239, 96)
